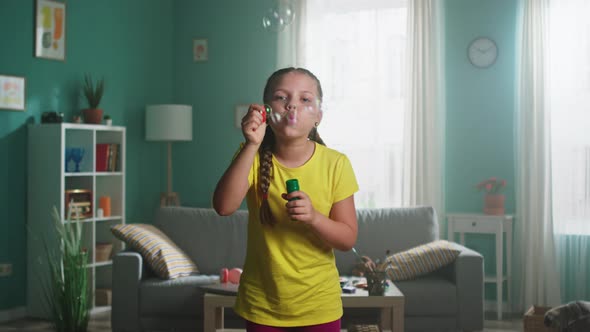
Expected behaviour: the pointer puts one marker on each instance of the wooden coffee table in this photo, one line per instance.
(391, 304)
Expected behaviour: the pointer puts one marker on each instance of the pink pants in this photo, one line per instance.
(327, 327)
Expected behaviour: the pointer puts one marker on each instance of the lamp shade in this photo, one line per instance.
(169, 123)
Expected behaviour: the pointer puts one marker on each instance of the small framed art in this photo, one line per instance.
(50, 30)
(12, 93)
(200, 50)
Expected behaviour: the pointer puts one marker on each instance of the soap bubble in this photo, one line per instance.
(289, 117)
(273, 21)
(275, 118)
(287, 13)
(278, 17)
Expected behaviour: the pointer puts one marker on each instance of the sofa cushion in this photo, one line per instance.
(427, 296)
(430, 295)
(393, 229)
(419, 260)
(210, 240)
(161, 254)
(181, 296)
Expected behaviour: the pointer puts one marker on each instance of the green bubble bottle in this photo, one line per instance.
(292, 185)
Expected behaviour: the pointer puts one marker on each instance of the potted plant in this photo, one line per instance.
(107, 120)
(93, 93)
(67, 291)
(493, 199)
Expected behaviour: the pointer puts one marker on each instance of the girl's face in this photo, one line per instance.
(295, 105)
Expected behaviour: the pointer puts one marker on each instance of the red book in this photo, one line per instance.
(102, 156)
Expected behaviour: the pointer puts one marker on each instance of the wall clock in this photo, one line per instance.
(482, 52)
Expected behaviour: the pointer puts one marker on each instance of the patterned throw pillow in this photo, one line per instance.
(161, 254)
(419, 260)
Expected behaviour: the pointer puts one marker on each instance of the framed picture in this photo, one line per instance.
(50, 30)
(200, 50)
(12, 93)
(240, 111)
(80, 201)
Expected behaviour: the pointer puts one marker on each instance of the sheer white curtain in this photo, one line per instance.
(535, 269)
(290, 41)
(425, 115)
(570, 118)
(358, 51)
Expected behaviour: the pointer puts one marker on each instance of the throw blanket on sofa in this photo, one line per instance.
(571, 317)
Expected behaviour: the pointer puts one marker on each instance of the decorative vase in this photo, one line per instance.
(92, 115)
(494, 204)
(376, 282)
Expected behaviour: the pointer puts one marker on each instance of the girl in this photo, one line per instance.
(290, 281)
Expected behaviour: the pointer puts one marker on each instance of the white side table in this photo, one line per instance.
(487, 224)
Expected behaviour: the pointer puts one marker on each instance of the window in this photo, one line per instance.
(570, 115)
(357, 50)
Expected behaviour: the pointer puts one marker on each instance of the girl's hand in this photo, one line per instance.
(300, 209)
(253, 126)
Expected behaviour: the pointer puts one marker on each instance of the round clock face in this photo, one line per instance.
(482, 52)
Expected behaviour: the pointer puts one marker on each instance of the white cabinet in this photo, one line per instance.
(51, 178)
(488, 224)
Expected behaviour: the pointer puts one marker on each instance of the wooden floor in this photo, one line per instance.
(102, 323)
(98, 323)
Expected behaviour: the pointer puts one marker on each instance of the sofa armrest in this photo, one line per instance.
(469, 279)
(127, 273)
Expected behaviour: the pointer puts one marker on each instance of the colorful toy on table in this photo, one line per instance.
(223, 275)
(230, 275)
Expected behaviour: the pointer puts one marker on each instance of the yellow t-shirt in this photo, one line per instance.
(290, 276)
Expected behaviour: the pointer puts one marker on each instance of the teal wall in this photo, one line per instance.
(241, 57)
(144, 50)
(480, 112)
(129, 43)
(480, 102)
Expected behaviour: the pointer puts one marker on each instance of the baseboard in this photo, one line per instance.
(13, 314)
(490, 306)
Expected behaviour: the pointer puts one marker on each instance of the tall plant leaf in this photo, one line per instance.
(67, 290)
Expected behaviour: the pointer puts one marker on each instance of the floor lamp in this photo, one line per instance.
(169, 123)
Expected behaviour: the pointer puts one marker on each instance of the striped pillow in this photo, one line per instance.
(162, 255)
(419, 260)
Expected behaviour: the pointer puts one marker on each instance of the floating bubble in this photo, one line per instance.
(278, 17)
(289, 117)
(272, 21)
(287, 13)
(275, 118)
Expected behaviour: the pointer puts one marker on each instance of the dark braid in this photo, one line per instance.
(267, 145)
(264, 175)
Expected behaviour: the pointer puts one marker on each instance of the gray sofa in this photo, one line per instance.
(446, 300)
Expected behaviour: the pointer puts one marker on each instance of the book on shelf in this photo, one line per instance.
(102, 154)
(107, 157)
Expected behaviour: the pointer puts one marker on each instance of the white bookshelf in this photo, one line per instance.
(48, 179)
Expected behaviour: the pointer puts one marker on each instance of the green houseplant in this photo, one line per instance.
(93, 93)
(66, 292)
